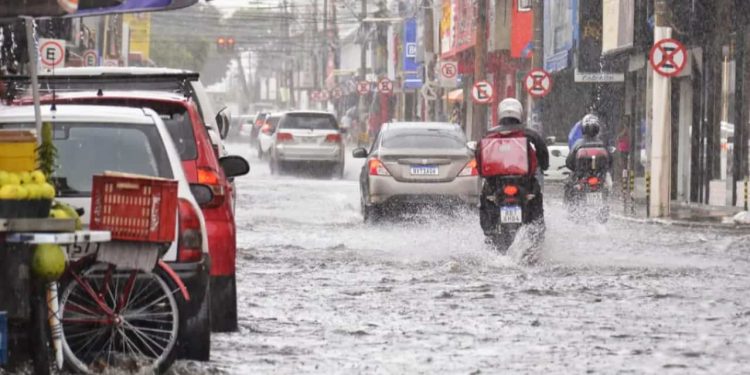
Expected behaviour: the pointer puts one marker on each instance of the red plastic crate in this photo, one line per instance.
(134, 208)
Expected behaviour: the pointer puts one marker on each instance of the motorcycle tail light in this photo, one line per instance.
(593, 181)
(510, 190)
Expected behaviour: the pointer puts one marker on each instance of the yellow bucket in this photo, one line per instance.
(17, 150)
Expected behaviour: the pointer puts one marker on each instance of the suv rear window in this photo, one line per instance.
(312, 121)
(86, 149)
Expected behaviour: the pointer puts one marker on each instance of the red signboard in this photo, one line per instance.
(522, 30)
(464, 24)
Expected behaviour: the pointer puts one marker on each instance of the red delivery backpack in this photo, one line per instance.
(506, 154)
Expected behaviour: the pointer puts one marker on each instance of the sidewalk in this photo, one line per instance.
(690, 215)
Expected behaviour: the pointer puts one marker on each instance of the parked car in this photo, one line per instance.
(417, 163)
(557, 171)
(308, 137)
(201, 165)
(94, 139)
(266, 133)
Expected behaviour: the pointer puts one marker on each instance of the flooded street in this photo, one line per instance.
(322, 292)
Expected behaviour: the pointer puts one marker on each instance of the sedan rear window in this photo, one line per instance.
(427, 138)
(86, 149)
(310, 121)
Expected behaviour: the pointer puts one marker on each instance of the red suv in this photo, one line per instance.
(202, 165)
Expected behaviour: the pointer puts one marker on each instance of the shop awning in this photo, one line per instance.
(454, 96)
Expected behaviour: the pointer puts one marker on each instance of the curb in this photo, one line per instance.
(682, 223)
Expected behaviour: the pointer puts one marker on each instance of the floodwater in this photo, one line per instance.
(321, 292)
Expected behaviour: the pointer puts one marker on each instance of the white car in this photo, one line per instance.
(557, 171)
(94, 139)
(308, 137)
(265, 135)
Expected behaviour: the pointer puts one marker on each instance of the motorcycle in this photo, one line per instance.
(508, 193)
(588, 191)
(508, 209)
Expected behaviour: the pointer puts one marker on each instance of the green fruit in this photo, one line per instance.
(25, 177)
(48, 262)
(22, 193)
(46, 191)
(9, 192)
(57, 213)
(3, 178)
(38, 177)
(35, 191)
(13, 179)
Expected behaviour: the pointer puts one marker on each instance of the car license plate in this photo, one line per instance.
(594, 198)
(511, 214)
(79, 250)
(3, 337)
(424, 170)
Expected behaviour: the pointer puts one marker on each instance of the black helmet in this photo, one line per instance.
(590, 125)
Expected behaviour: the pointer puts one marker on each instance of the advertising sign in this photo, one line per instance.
(140, 33)
(446, 27)
(617, 25)
(560, 16)
(410, 66)
(590, 36)
(522, 29)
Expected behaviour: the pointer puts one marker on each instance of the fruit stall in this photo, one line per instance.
(36, 234)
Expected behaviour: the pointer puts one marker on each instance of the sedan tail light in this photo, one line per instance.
(333, 138)
(190, 240)
(211, 178)
(284, 137)
(377, 168)
(470, 169)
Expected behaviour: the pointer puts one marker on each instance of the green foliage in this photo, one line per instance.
(47, 152)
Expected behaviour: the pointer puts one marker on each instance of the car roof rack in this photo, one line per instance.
(18, 86)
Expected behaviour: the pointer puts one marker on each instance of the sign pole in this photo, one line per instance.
(661, 138)
(479, 116)
(537, 62)
(34, 73)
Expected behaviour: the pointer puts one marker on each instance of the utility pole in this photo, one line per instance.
(479, 112)
(661, 136)
(288, 61)
(324, 55)
(315, 44)
(537, 62)
(363, 61)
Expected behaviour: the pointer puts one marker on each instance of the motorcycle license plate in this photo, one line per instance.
(594, 198)
(80, 250)
(511, 214)
(424, 170)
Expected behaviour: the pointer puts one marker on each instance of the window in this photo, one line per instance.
(524, 5)
(310, 121)
(421, 139)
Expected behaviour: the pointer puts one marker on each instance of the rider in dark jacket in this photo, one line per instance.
(590, 127)
(510, 112)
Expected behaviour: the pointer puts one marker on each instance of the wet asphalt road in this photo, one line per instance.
(320, 292)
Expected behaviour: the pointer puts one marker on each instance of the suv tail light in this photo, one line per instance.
(377, 168)
(211, 178)
(190, 238)
(470, 169)
(284, 137)
(333, 138)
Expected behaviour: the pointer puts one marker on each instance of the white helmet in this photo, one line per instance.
(510, 108)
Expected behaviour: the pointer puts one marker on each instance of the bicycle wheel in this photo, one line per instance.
(113, 319)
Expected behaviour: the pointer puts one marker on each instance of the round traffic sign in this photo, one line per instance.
(51, 53)
(448, 69)
(89, 58)
(315, 95)
(337, 92)
(324, 95)
(668, 57)
(385, 86)
(538, 83)
(363, 87)
(482, 92)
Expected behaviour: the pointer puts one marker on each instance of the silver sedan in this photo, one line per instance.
(417, 163)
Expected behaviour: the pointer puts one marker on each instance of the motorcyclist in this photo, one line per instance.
(590, 129)
(510, 114)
